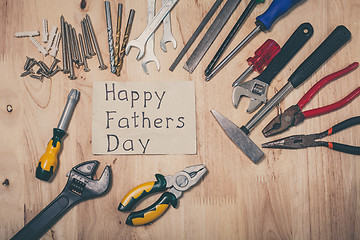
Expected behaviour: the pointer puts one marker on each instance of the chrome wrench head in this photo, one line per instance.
(140, 41)
(254, 89)
(167, 34)
(149, 54)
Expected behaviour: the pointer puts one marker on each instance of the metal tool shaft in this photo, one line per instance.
(96, 44)
(285, 90)
(233, 53)
(73, 99)
(118, 33)
(242, 76)
(110, 36)
(64, 45)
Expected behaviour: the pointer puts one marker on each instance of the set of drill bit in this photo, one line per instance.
(117, 54)
(76, 49)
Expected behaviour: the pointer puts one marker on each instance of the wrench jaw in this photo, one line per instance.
(165, 40)
(81, 180)
(135, 43)
(155, 60)
(255, 89)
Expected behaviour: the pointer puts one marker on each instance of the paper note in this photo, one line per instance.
(156, 117)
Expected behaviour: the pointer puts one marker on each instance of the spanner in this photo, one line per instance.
(79, 187)
(149, 54)
(167, 34)
(140, 41)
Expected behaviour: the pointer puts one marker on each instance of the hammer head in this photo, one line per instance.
(254, 89)
(240, 137)
(81, 180)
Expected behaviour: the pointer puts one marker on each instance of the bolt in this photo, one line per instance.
(64, 46)
(71, 67)
(97, 49)
(86, 68)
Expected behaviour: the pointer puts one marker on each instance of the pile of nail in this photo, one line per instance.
(42, 71)
(78, 48)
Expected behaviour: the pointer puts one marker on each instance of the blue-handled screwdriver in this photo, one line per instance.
(263, 23)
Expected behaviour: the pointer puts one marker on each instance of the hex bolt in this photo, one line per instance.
(54, 63)
(97, 49)
(64, 46)
(86, 68)
(86, 47)
(71, 67)
(90, 46)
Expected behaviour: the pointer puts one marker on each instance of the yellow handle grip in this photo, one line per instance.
(50, 157)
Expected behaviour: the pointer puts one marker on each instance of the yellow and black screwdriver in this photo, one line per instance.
(48, 161)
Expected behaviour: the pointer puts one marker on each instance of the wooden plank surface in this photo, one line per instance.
(301, 194)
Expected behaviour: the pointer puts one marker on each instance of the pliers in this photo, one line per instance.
(293, 115)
(177, 183)
(304, 141)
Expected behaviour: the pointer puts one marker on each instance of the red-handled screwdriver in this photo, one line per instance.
(263, 56)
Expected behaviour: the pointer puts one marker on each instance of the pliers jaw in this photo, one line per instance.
(290, 117)
(295, 142)
(188, 177)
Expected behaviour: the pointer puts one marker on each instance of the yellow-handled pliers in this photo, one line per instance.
(177, 183)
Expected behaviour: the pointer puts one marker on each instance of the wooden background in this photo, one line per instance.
(301, 194)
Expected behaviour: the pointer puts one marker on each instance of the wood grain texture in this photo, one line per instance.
(302, 194)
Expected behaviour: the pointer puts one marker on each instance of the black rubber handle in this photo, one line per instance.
(327, 48)
(47, 217)
(344, 148)
(344, 125)
(298, 39)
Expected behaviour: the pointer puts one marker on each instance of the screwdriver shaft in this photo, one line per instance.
(243, 75)
(233, 53)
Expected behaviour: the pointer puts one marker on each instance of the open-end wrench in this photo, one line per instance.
(140, 41)
(149, 54)
(167, 34)
(79, 187)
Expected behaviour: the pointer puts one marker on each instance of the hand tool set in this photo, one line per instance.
(256, 89)
(268, 60)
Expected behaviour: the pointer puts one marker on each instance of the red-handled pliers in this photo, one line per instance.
(293, 115)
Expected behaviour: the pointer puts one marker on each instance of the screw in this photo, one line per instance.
(43, 67)
(54, 63)
(71, 67)
(71, 44)
(97, 49)
(86, 68)
(31, 65)
(39, 77)
(27, 73)
(55, 71)
(80, 61)
(64, 46)
(28, 61)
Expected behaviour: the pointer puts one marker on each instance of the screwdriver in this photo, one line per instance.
(48, 161)
(263, 22)
(263, 56)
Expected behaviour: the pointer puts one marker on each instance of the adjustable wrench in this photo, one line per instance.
(149, 54)
(79, 187)
(167, 34)
(140, 41)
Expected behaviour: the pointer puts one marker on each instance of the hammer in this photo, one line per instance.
(239, 136)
